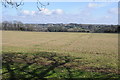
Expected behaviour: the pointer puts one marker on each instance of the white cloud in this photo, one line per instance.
(44, 11)
(51, 12)
(66, 18)
(58, 11)
(54, 16)
(107, 17)
(33, 12)
(94, 5)
(113, 11)
(27, 12)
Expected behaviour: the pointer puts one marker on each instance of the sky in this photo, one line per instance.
(64, 12)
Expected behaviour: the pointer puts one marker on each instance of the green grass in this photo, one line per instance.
(45, 65)
(94, 53)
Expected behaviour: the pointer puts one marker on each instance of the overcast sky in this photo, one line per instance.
(65, 12)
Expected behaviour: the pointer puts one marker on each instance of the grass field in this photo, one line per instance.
(95, 52)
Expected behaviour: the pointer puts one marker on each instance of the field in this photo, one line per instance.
(93, 54)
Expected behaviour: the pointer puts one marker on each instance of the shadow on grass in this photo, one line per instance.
(33, 66)
(43, 65)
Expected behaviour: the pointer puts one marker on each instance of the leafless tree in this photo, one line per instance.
(13, 4)
(41, 6)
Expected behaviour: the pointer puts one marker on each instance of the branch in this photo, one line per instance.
(41, 5)
(7, 3)
(13, 4)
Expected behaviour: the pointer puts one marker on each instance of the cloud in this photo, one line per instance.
(113, 11)
(94, 5)
(59, 16)
(58, 11)
(27, 12)
(66, 18)
(44, 11)
(51, 12)
(107, 17)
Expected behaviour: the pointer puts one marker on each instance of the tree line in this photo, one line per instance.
(50, 27)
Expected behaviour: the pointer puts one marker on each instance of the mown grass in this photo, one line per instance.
(95, 53)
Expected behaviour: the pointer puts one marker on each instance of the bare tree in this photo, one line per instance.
(13, 4)
(41, 6)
